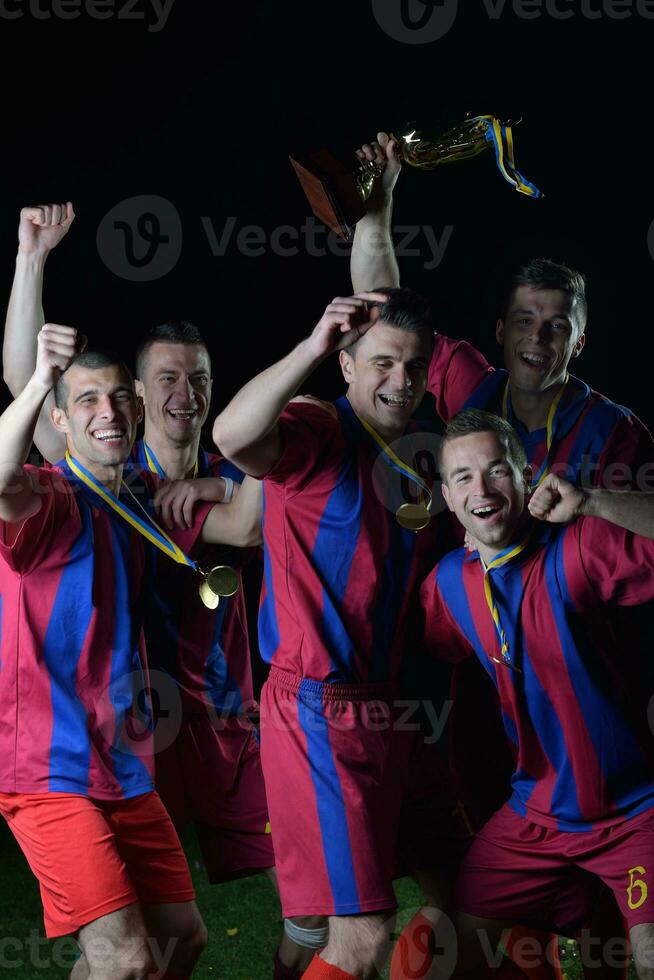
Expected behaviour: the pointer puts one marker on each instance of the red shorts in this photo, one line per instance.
(92, 857)
(518, 871)
(213, 777)
(335, 761)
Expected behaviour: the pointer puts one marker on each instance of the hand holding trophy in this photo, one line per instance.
(337, 196)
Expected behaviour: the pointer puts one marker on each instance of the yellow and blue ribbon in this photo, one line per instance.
(149, 529)
(398, 464)
(553, 417)
(155, 466)
(500, 136)
(501, 559)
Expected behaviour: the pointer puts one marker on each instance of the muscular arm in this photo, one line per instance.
(373, 263)
(39, 231)
(18, 499)
(559, 502)
(239, 522)
(246, 432)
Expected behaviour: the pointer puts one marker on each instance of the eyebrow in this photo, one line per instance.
(391, 357)
(94, 391)
(466, 469)
(561, 316)
(175, 370)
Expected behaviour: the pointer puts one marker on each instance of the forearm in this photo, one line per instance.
(253, 413)
(373, 264)
(25, 317)
(631, 510)
(17, 424)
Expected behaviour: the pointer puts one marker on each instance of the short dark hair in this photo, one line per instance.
(546, 274)
(404, 309)
(473, 420)
(95, 359)
(171, 332)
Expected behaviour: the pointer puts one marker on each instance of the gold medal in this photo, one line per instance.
(414, 517)
(223, 580)
(209, 598)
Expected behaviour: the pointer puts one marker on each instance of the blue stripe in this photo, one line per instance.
(72, 610)
(222, 689)
(330, 803)
(592, 438)
(489, 392)
(508, 590)
(449, 579)
(396, 573)
(268, 628)
(332, 557)
(618, 753)
(125, 664)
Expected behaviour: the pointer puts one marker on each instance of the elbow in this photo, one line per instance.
(221, 439)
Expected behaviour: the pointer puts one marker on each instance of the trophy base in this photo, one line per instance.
(331, 191)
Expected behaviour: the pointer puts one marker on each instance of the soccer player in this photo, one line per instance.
(340, 572)
(565, 427)
(75, 764)
(533, 602)
(211, 772)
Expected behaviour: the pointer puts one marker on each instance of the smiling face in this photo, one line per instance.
(484, 488)
(100, 415)
(176, 391)
(387, 376)
(541, 331)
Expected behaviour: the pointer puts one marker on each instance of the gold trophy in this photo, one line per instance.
(337, 195)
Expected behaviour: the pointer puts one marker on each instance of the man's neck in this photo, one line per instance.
(110, 477)
(488, 553)
(532, 407)
(178, 462)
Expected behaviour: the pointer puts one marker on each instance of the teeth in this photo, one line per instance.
(103, 434)
(534, 359)
(480, 511)
(394, 399)
(179, 413)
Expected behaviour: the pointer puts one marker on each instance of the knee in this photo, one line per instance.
(127, 963)
(195, 940)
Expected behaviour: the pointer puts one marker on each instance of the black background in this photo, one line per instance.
(205, 111)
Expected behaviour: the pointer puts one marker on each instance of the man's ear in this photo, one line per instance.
(446, 494)
(59, 419)
(499, 332)
(579, 345)
(347, 365)
(528, 476)
(139, 387)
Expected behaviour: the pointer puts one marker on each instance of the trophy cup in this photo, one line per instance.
(337, 195)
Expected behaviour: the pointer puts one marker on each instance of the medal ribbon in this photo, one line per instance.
(396, 463)
(155, 466)
(551, 426)
(152, 532)
(501, 137)
(499, 560)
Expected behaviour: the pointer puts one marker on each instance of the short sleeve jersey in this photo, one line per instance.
(597, 442)
(576, 712)
(340, 573)
(73, 671)
(205, 651)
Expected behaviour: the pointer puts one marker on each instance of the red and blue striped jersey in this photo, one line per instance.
(206, 652)
(340, 573)
(73, 671)
(597, 442)
(577, 713)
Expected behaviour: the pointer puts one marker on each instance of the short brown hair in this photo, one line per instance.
(473, 420)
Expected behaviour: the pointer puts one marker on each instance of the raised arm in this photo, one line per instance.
(56, 347)
(559, 502)
(39, 231)
(373, 263)
(246, 432)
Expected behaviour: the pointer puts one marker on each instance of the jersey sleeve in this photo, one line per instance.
(441, 636)
(627, 462)
(455, 372)
(606, 563)
(24, 545)
(313, 444)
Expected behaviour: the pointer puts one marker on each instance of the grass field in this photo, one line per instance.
(243, 919)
